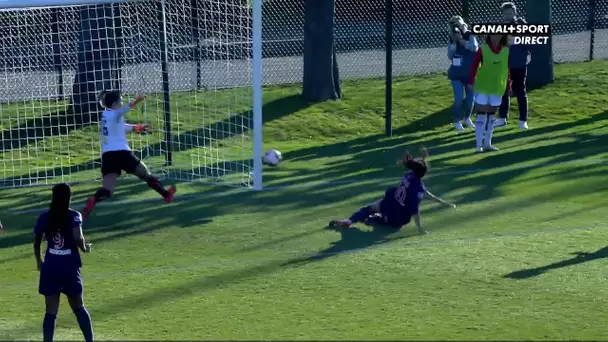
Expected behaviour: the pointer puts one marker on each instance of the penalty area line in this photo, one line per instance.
(327, 184)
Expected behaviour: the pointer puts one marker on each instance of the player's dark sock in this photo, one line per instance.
(361, 214)
(101, 194)
(84, 321)
(48, 327)
(155, 184)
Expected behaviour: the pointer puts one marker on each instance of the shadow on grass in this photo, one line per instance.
(49, 125)
(351, 240)
(580, 257)
(200, 137)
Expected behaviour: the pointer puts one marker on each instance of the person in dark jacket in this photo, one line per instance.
(461, 53)
(518, 70)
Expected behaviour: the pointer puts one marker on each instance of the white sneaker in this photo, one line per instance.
(458, 126)
(469, 123)
(479, 150)
(489, 148)
(500, 122)
(523, 124)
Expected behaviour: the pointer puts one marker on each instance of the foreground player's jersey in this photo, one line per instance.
(113, 130)
(410, 192)
(61, 251)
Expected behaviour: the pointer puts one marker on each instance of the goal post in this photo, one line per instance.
(199, 61)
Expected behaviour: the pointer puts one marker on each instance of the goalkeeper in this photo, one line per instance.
(116, 154)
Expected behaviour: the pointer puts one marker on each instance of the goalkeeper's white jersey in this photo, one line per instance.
(114, 130)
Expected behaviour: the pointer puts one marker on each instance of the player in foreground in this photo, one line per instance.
(400, 203)
(116, 153)
(60, 270)
(489, 78)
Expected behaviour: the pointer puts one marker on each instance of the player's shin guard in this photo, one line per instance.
(489, 129)
(48, 327)
(84, 321)
(361, 214)
(480, 126)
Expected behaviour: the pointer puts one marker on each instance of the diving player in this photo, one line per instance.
(400, 203)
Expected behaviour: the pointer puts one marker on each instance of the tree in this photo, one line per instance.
(321, 75)
(540, 70)
(97, 61)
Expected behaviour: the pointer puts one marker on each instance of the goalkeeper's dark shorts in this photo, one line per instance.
(114, 162)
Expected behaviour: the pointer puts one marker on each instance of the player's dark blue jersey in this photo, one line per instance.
(410, 193)
(402, 202)
(62, 249)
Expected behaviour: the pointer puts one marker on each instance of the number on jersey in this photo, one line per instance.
(401, 193)
(104, 131)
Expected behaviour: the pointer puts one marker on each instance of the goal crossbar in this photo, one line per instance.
(22, 4)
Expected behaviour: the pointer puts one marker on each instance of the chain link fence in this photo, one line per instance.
(30, 51)
(420, 34)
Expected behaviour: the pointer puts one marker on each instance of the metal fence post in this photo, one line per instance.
(389, 68)
(591, 27)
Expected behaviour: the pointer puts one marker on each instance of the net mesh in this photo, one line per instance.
(209, 72)
(55, 61)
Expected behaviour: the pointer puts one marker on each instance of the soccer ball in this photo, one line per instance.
(272, 157)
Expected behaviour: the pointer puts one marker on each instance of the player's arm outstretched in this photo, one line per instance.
(126, 108)
(139, 128)
(439, 200)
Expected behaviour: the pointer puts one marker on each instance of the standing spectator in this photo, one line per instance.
(461, 53)
(490, 76)
(518, 69)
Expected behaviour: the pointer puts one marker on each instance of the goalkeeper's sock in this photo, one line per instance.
(155, 184)
(361, 214)
(100, 195)
(480, 126)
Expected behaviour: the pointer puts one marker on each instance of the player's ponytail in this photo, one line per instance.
(418, 166)
(59, 211)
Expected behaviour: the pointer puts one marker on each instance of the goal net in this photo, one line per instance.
(195, 60)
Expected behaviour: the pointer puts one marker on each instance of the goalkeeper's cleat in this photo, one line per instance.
(340, 224)
(88, 208)
(172, 189)
(479, 149)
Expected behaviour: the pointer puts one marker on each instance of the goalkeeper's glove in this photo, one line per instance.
(141, 128)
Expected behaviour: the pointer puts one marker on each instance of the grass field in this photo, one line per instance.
(523, 257)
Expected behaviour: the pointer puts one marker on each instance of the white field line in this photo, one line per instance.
(328, 184)
(286, 258)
